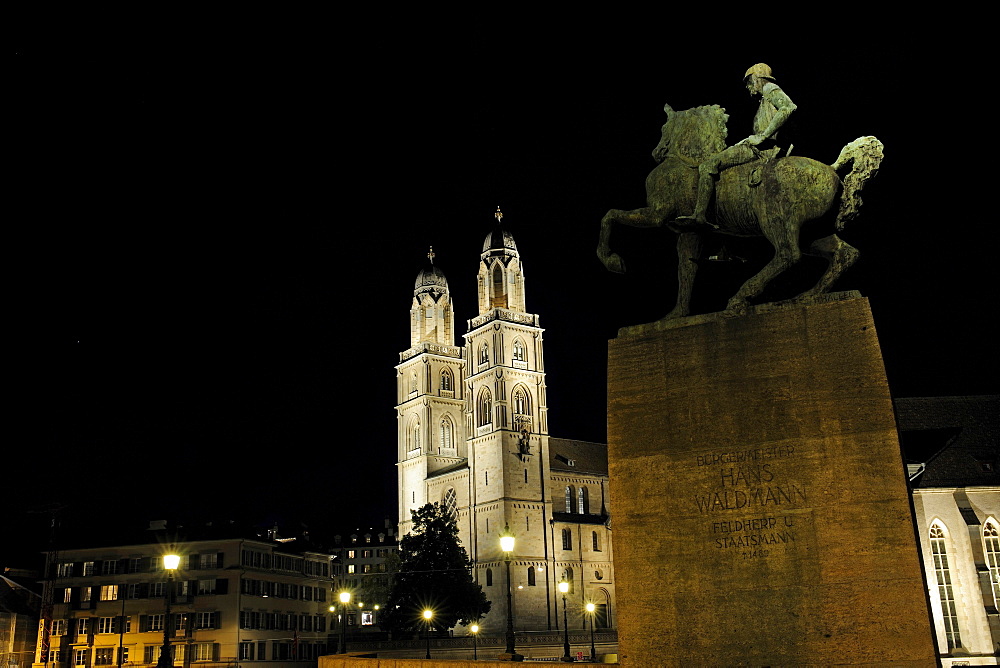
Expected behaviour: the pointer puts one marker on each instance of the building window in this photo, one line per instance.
(567, 539)
(154, 622)
(991, 548)
(567, 576)
(67, 596)
(205, 620)
(450, 502)
(109, 567)
(584, 501)
(106, 625)
(521, 402)
(447, 433)
(83, 626)
(484, 408)
(531, 576)
(413, 382)
(209, 560)
(520, 352)
(489, 577)
(58, 627)
(246, 651)
(597, 541)
(367, 618)
(447, 380)
(484, 354)
(946, 593)
(414, 434)
(204, 651)
(80, 657)
(88, 568)
(109, 593)
(104, 656)
(64, 570)
(570, 493)
(206, 586)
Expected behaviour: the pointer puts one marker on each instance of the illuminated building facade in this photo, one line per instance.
(473, 436)
(232, 600)
(951, 447)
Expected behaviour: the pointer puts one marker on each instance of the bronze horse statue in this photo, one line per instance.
(773, 197)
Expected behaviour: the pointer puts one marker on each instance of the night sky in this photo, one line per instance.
(213, 252)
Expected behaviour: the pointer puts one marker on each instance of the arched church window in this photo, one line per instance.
(450, 503)
(520, 352)
(447, 432)
(499, 290)
(567, 539)
(447, 380)
(413, 382)
(991, 548)
(521, 406)
(583, 501)
(570, 493)
(484, 354)
(946, 592)
(413, 434)
(531, 576)
(567, 576)
(597, 541)
(484, 408)
(489, 577)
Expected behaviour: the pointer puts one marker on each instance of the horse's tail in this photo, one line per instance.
(865, 155)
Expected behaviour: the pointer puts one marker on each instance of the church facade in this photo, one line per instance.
(473, 437)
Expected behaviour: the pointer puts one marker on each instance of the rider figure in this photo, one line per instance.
(775, 108)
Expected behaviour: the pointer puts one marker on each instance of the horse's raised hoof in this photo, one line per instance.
(615, 263)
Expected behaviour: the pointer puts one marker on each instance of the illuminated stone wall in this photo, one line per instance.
(761, 508)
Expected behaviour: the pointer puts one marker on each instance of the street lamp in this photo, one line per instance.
(563, 588)
(170, 564)
(428, 615)
(475, 635)
(591, 609)
(507, 546)
(345, 600)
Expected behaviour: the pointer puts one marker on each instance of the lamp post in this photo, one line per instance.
(591, 609)
(428, 615)
(170, 564)
(563, 588)
(507, 546)
(475, 635)
(345, 600)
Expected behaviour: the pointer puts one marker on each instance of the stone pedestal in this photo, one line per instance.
(762, 516)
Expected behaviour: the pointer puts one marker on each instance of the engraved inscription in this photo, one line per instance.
(750, 482)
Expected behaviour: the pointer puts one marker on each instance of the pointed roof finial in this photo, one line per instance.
(498, 215)
(430, 255)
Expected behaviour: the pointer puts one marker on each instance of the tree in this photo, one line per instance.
(434, 573)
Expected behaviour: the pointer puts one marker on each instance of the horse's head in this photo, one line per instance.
(695, 133)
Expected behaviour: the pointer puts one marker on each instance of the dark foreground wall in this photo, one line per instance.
(761, 509)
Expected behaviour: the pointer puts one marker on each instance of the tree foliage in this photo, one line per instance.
(435, 574)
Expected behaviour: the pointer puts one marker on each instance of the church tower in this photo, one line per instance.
(506, 422)
(429, 398)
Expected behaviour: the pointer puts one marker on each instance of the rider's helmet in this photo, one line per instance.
(760, 69)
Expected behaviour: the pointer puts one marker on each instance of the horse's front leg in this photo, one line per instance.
(645, 217)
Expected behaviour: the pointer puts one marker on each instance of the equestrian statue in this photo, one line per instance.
(753, 188)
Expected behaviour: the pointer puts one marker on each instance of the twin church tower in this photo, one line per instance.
(473, 437)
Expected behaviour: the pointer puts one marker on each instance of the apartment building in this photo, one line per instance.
(228, 601)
